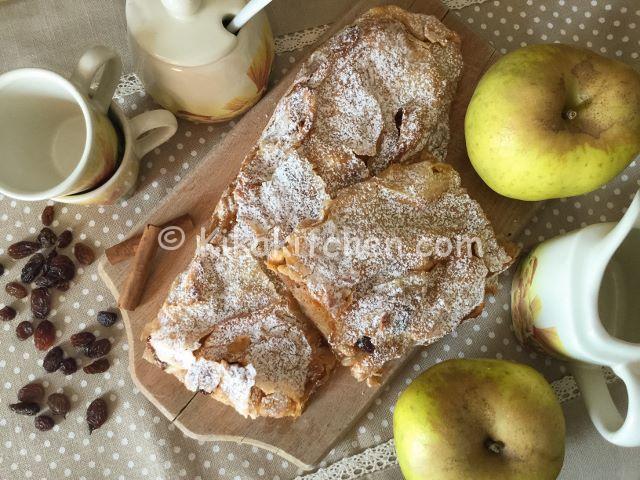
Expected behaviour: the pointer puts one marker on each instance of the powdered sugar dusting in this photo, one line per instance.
(232, 382)
(380, 282)
(273, 341)
(225, 329)
(218, 284)
(417, 308)
(376, 94)
(386, 227)
(269, 349)
(286, 193)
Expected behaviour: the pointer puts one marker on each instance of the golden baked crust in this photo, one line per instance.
(409, 255)
(278, 357)
(378, 93)
(227, 329)
(218, 284)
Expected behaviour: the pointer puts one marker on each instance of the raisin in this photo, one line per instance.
(364, 344)
(107, 319)
(65, 239)
(1, 269)
(59, 404)
(40, 302)
(99, 366)
(62, 286)
(47, 263)
(62, 268)
(46, 281)
(52, 254)
(45, 335)
(398, 119)
(82, 339)
(25, 408)
(84, 350)
(32, 392)
(24, 330)
(22, 249)
(46, 238)
(99, 348)
(16, 290)
(84, 254)
(96, 414)
(69, 366)
(53, 359)
(47, 215)
(7, 313)
(32, 268)
(44, 423)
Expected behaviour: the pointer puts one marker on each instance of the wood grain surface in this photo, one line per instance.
(337, 406)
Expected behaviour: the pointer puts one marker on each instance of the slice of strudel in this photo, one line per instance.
(399, 260)
(227, 329)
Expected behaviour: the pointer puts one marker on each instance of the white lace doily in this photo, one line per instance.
(297, 40)
(129, 84)
(383, 456)
(458, 4)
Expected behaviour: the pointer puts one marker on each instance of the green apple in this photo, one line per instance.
(550, 121)
(479, 419)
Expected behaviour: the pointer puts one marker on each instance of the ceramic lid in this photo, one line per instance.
(186, 33)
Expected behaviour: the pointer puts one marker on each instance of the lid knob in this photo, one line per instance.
(182, 9)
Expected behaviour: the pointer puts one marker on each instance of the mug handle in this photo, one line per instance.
(88, 67)
(164, 126)
(603, 412)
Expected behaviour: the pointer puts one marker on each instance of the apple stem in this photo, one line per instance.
(570, 114)
(495, 446)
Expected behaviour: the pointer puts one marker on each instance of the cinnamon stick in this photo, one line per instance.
(127, 249)
(141, 266)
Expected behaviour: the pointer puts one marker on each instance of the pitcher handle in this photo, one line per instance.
(635, 205)
(151, 129)
(88, 66)
(603, 412)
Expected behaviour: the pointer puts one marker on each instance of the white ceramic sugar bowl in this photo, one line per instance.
(191, 64)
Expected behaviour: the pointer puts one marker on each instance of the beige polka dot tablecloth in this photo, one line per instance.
(137, 442)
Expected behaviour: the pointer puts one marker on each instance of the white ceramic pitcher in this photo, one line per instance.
(575, 297)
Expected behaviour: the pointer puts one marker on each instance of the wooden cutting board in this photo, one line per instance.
(337, 406)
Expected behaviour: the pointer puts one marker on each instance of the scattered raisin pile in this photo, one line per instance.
(32, 395)
(47, 268)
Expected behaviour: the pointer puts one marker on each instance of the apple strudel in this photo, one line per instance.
(378, 93)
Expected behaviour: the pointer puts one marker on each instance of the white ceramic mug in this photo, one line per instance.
(575, 297)
(55, 136)
(141, 134)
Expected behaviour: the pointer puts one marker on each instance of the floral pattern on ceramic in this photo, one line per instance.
(103, 159)
(525, 308)
(158, 125)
